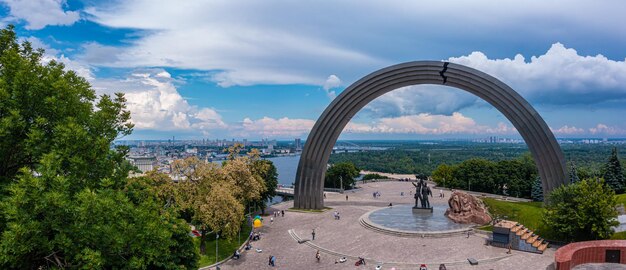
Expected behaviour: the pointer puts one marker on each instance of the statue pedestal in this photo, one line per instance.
(420, 210)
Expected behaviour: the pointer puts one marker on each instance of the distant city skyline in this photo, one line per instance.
(239, 69)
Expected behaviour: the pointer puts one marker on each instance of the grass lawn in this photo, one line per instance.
(527, 213)
(226, 246)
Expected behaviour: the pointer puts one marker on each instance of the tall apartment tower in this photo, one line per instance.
(298, 144)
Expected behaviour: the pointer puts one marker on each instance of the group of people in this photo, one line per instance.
(255, 236)
(277, 214)
(376, 194)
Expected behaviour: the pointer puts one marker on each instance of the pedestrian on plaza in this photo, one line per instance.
(346, 197)
(273, 260)
(324, 195)
(338, 216)
(442, 267)
(468, 234)
(271, 220)
(282, 212)
(441, 193)
(269, 260)
(313, 234)
(318, 256)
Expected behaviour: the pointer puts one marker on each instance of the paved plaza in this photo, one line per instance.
(346, 237)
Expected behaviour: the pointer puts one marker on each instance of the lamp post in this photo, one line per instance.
(341, 183)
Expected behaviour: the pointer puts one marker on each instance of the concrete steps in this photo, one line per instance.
(524, 239)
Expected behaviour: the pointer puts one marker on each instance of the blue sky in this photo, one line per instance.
(267, 69)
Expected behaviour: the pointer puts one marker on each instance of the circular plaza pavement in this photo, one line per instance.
(288, 238)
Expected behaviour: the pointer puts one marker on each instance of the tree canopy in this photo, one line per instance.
(585, 210)
(342, 173)
(509, 177)
(613, 174)
(66, 199)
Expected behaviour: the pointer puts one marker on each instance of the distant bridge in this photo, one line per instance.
(288, 192)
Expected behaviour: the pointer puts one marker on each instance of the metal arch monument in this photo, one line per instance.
(533, 129)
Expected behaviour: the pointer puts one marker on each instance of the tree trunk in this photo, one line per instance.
(202, 241)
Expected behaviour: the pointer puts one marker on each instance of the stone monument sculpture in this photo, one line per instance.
(465, 208)
(421, 194)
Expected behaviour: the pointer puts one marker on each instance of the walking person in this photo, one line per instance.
(271, 220)
(313, 235)
(273, 260)
(269, 260)
(282, 213)
(346, 197)
(318, 256)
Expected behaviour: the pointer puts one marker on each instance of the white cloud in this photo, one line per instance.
(431, 124)
(568, 130)
(560, 76)
(602, 129)
(275, 128)
(211, 36)
(331, 82)
(413, 100)
(273, 42)
(155, 104)
(50, 54)
(40, 13)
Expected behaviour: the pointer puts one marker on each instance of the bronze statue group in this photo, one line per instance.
(421, 193)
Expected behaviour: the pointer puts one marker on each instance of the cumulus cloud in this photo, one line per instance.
(560, 76)
(432, 124)
(156, 104)
(413, 100)
(331, 82)
(602, 129)
(40, 13)
(568, 130)
(50, 54)
(271, 127)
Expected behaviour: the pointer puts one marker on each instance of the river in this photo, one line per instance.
(286, 167)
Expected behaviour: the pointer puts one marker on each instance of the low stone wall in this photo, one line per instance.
(577, 253)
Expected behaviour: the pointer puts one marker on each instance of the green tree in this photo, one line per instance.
(537, 191)
(585, 210)
(44, 108)
(343, 172)
(267, 171)
(613, 174)
(104, 228)
(478, 175)
(67, 200)
(443, 175)
(373, 176)
(573, 174)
